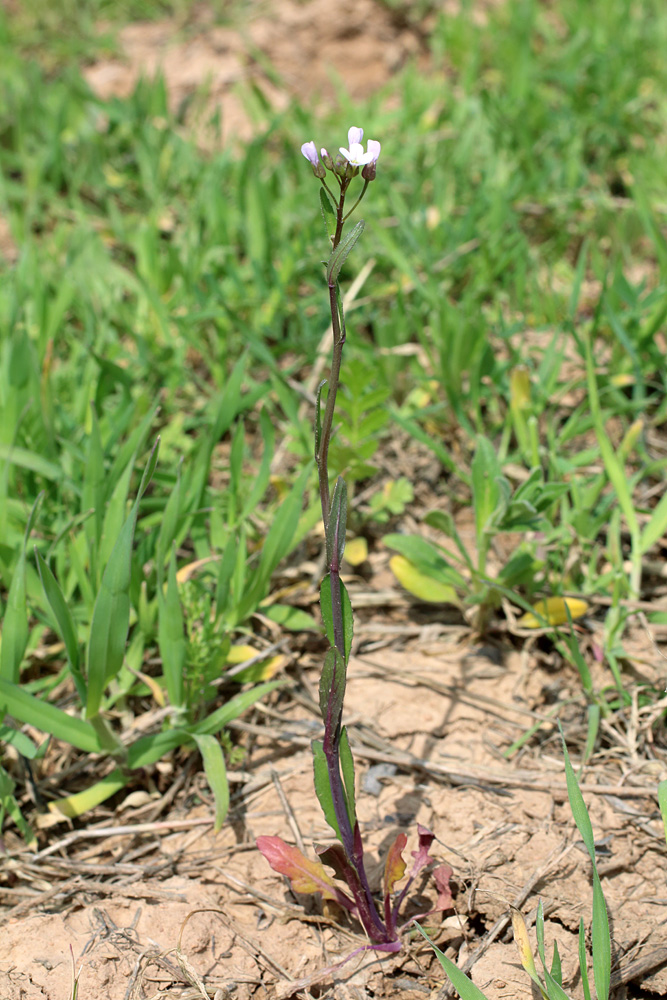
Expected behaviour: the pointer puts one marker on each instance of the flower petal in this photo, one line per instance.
(374, 148)
(309, 150)
(354, 135)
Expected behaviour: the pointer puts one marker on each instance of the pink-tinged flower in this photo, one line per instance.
(309, 150)
(355, 155)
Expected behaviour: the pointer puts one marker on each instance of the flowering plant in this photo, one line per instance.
(332, 756)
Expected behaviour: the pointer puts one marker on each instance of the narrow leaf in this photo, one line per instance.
(111, 615)
(343, 251)
(32, 710)
(662, 802)
(64, 621)
(14, 637)
(332, 691)
(323, 787)
(216, 775)
(171, 636)
(336, 525)
(465, 987)
(73, 806)
(327, 613)
(347, 769)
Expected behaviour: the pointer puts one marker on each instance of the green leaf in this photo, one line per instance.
(171, 636)
(465, 987)
(48, 718)
(93, 488)
(347, 770)
(234, 707)
(216, 775)
(656, 527)
(601, 941)
(290, 618)
(583, 964)
(276, 545)
(327, 613)
(15, 622)
(22, 743)
(662, 802)
(64, 621)
(332, 689)
(323, 787)
(225, 574)
(111, 615)
(169, 525)
(318, 417)
(149, 749)
(31, 461)
(343, 251)
(263, 474)
(486, 478)
(337, 523)
(76, 805)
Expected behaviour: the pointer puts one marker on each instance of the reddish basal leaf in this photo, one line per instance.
(441, 877)
(394, 868)
(421, 856)
(305, 875)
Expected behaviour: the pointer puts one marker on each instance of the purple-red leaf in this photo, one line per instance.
(441, 877)
(394, 868)
(304, 875)
(421, 856)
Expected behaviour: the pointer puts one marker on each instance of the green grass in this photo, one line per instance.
(517, 223)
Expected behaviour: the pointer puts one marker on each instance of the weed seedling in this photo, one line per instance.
(332, 757)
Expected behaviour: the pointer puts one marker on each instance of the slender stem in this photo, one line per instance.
(350, 839)
(363, 192)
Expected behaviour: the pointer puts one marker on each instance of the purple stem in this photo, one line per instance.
(351, 841)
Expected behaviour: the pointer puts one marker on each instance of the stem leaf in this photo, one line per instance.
(342, 252)
(327, 613)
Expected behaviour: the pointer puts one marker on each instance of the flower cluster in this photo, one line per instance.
(349, 160)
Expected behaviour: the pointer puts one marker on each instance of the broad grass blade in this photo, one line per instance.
(171, 636)
(111, 615)
(65, 623)
(15, 623)
(48, 718)
(216, 775)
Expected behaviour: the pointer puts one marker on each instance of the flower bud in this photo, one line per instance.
(340, 165)
(326, 159)
(310, 152)
(369, 171)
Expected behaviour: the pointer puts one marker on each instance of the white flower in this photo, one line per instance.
(355, 155)
(309, 150)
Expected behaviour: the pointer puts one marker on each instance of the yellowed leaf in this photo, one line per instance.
(82, 802)
(554, 611)
(422, 586)
(523, 942)
(520, 388)
(185, 572)
(356, 551)
(264, 670)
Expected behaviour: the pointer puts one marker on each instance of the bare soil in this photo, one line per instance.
(429, 723)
